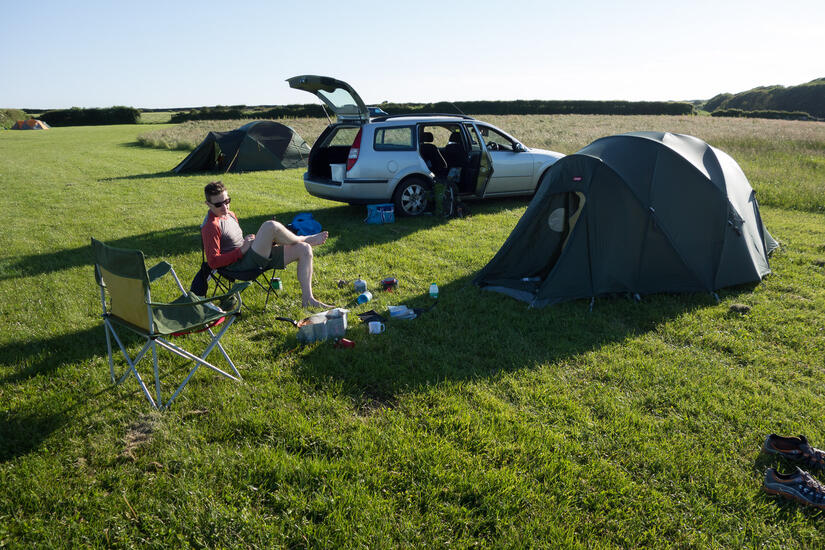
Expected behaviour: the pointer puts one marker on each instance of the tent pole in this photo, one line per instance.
(233, 160)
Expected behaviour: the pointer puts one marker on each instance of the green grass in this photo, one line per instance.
(482, 423)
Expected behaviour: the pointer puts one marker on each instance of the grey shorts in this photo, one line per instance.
(252, 260)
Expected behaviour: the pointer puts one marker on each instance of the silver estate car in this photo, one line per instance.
(396, 158)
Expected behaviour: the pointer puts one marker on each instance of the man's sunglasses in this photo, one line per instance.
(221, 203)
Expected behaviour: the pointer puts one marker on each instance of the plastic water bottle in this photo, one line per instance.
(433, 290)
(360, 285)
(364, 297)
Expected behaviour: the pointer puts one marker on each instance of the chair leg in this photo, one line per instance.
(266, 285)
(219, 283)
(132, 364)
(216, 342)
(109, 352)
(157, 376)
(152, 344)
(268, 292)
(198, 362)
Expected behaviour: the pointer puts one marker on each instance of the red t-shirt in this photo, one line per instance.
(221, 248)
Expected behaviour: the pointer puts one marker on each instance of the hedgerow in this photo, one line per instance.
(91, 117)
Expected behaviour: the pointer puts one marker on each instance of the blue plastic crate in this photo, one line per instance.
(380, 213)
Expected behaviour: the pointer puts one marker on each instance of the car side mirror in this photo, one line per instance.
(519, 148)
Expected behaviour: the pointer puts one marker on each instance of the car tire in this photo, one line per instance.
(411, 196)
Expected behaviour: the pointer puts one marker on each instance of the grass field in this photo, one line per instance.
(155, 117)
(480, 424)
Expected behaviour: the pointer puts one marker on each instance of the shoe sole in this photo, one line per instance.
(793, 497)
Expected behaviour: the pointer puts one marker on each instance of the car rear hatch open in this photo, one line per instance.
(338, 96)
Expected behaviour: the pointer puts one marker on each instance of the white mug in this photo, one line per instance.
(376, 327)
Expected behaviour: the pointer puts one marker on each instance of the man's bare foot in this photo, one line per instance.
(312, 302)
(317, 239)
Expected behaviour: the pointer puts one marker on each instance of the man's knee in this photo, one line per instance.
(300, 251)
(273, 226)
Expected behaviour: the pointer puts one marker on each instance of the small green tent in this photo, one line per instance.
(258, 145)
(638, 213)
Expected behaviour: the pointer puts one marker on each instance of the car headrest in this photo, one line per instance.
(454, 138)
(426, 137)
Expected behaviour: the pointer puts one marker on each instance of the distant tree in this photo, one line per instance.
(808, 98)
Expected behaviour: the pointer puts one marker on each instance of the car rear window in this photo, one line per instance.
(344, 136)
(397, 138)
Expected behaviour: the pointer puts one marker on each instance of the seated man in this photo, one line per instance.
(274, 246)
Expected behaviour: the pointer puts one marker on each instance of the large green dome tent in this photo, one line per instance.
(639, 213)
(257, 145)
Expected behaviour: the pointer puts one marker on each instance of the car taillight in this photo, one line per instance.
(354, 150)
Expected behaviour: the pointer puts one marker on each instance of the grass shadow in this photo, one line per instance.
(23, 432)
(347, 231)
(43, 357)
(152, 175)
(35, 420)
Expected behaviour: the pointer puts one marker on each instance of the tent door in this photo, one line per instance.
(218, 158)
(562, 213)
(481, 164)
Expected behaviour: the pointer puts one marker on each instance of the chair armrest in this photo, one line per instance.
(159, 271)
(237, 288)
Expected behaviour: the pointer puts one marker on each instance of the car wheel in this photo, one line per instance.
(411, 197)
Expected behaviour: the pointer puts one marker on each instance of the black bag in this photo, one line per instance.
(200, 284)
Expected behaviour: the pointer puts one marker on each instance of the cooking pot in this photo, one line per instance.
(320, 326)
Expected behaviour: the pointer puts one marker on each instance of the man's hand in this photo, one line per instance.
(247, 243)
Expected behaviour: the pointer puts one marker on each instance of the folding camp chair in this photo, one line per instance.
(224, 278)
(123, 274)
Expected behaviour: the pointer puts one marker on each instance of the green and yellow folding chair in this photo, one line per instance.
(123, 275)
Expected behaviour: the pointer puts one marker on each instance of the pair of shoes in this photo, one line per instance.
(799, 486)
(796, 449)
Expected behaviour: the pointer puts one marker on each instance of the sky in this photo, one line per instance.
(179, 53)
